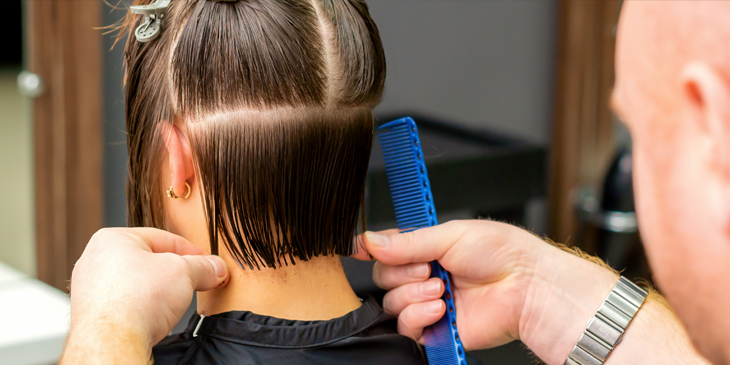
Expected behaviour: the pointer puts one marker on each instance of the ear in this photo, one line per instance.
(707, 97)
(180, 156)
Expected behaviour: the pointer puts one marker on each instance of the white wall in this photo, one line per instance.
(484, 64)
(17, 228)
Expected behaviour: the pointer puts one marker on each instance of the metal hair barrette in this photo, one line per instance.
(152, 25)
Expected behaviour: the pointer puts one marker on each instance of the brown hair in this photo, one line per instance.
(277, 96)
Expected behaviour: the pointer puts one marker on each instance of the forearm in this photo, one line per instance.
(655, 336)
(566, 291)
(105, 343)
(130, 286)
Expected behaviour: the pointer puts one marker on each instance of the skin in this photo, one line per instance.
(510, 285)
(681, 130)
(129, 288)
(672, 90)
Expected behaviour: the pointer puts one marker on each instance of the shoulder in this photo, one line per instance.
(172, 349)
(380, 343)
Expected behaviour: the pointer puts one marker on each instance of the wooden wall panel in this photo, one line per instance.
(583, 127)
(63, 47)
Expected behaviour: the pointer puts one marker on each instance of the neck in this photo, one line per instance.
(309, 290)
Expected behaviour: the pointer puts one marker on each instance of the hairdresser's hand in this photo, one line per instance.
(508, 285)
(129, 288)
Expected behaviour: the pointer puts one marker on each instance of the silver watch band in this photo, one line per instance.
(605, 329)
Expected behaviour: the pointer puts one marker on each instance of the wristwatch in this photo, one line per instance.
(605, 329)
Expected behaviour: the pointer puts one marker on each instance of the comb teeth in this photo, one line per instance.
(410, 191)
(406, 172)
(439, 346)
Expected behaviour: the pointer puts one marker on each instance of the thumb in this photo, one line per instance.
(364, 242)
(422, 245)
(207, 272)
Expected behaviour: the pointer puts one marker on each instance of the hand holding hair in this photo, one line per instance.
(129, 288)
(509, 284)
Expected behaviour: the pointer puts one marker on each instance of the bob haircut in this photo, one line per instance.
(277, 96)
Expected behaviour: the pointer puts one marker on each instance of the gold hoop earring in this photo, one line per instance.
(171, 193)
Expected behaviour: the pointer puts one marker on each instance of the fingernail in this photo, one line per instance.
(433, 307)
(224, 283)
(377, 240)
(218, 265)
(431, 287)
(418, 271)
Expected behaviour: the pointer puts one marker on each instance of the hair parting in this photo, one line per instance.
(277, 97)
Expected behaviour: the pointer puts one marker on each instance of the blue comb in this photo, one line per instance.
(410, 191)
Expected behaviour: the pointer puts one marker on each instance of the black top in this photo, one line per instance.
(366, 335)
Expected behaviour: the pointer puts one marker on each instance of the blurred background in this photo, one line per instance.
(511, 98)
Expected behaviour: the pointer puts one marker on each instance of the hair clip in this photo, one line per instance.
(152, 25)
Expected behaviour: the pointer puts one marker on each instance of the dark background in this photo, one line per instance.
(12, 33)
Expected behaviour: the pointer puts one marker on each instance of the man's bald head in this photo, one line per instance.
(672, 90)
(665, 35)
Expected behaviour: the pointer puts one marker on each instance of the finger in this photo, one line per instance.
(360, 252)
(398, 299)
(415, 317)
(158, 241)
(206, 272)
(423, 245)
(388, 277)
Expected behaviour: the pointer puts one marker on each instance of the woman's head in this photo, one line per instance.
(265, 108)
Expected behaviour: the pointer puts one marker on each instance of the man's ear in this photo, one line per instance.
(707, 94)
(180, 156)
